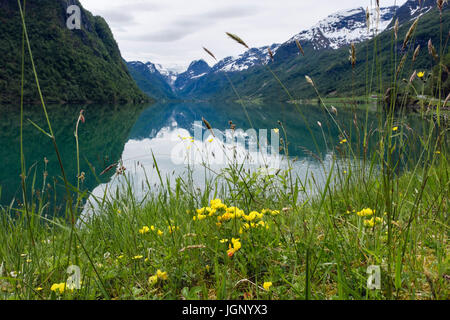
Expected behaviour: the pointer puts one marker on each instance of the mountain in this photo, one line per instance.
(414, 9)
(150, 80)
(73, 66)
(250, 58)
(336, 31)
(169, 75)
(197, 69)
(326, 47)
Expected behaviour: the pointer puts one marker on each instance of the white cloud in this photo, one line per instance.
(173, 32)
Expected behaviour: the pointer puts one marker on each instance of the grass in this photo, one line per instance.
(271, 236)
(117, 254)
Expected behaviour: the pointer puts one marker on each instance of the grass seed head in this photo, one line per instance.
(210, 53)
(416, 53)
(237, 39)
(299, 46)
(410, 32)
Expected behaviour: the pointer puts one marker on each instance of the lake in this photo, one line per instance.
(174, 134)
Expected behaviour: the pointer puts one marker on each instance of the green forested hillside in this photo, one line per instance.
(73, 65)
(153, 84)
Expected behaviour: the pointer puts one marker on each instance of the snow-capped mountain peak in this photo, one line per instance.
(197, 69)
(246, 60)
(169, 74)
(347, 26)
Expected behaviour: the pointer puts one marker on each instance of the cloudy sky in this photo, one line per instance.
(172, 32)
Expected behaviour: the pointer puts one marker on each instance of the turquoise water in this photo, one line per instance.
(133, 134)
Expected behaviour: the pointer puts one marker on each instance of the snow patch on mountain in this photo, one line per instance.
(246, 60)
(347, 26)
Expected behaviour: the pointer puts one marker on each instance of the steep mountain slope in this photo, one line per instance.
(73, 65)
(326, 57)
(197, 69)
(150, 80)
(336, 31)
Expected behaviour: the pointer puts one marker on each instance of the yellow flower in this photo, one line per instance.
(420, 74)
(201, 217)
(394, 128)
(161, 275)
(201, 211)
(224, 241)
(369, 223)
(38, 289)
(144, 230)
(137, 257)
(437, 152)
(152, 228)
(210, 140)
(343, 141)
(217, 204)
(230, 251)
(233, 249)
(365, 212)
(58, 287)
(378, 220)
(267, 285)
(252, 216)
(160, 233)
(152, 280)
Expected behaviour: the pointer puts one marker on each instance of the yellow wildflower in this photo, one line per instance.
(343, 141)
(233, 249)
(217, 204)
(160, 233)
(224, 241)
(144, 230)
(58, 287)
(365, 212)
(236, 244)
(420, 74)
(369, 223)
(267, 285)
(201, 211)
(252, 216)
(394, 128)
(137, 257)
(161, 275)
(152, 280)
